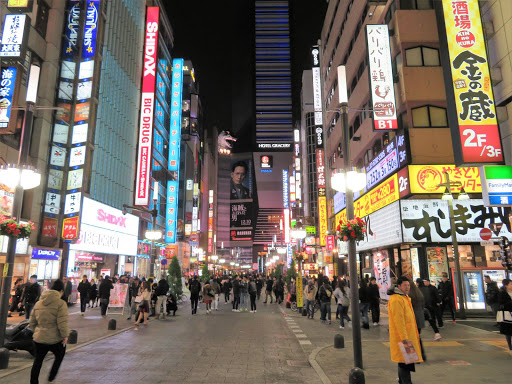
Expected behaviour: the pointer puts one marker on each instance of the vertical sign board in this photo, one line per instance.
(174, 145)
(210, 221)
(380, 74)
(7, 85)
(322, 200)
(286, 206)
(14, 38)
(471, 109)
(171, 212)
(497, 185)
(317, 86)
(147, 108)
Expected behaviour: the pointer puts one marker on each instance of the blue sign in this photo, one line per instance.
(286, 194)
(45, 254)
(72, 29)
(171, 212)
(91, 29)
(175, 129)
(7, 83)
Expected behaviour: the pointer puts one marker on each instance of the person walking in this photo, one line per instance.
(253, 291)
(402, 329)
(49, 322)
(244, 294)
(216, 288)
(343, 296)
(161, 297)
(505, 302)
(144, 303)
(84, 288)
(418, 306)
(280, 290)
(68, 289)
(268, 290)
(30, 295)
(16, 297)
(208, 296)
(236, 294)
(310, 292)
(104, 294)
(93, 294)
(133, 292)
(259, 286)
(195, 289)
(491, 294)
(431, 298)
(325, 296)
(374, 298)
(445, 288)
(226, 288)
(364, 303)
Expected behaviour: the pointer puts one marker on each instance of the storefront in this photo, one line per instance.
(21, 261)
(108, 241)
(45, 263)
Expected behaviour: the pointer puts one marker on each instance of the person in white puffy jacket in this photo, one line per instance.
(343, 296)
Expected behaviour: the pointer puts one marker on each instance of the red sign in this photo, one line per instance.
(70, 228)
(147, 108)
(330, 242)
(485, 234)
(49, 227)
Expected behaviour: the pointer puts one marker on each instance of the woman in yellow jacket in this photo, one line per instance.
(402, 328)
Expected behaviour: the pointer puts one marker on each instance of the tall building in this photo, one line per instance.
(407, 219)
(274, 126)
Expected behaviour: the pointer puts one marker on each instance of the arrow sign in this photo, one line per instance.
(496, 228)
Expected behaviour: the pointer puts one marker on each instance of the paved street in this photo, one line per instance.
(273, 345)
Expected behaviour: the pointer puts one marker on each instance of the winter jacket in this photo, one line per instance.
(505, 305)
(93, 292)
(373, 293)
(253, 289)
(270, 283)
(162, 288)
(207, 293)
(280, 286)
(492, 293)
(402, 325)
(31, 293)
(49, 319)
(343, 298)
(310, 292)
(84, 289)
(363, 295)
(105, 288)
(195, 287)
(418, 305)
(325, 293)
(445, 289)
(243, 287)
(236, 287)
(216, 287)
(227, 286)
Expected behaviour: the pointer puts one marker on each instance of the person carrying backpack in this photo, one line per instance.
(195, 289)
(325, 295)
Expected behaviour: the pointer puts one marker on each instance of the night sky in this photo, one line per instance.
(217, 37)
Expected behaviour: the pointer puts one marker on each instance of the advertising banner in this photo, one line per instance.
(171, 212)
(383, 228)
(380, 74)
(7, 86)
(437, 263)
(299, 292)
(91, 29)
(14, 37)
(241, 199)
(472, 113)
(497, 185)
(322, 219)
(118, 296)
(176, 109)
(382, 272)
(426, 178)
(428, 221)
(147, 108)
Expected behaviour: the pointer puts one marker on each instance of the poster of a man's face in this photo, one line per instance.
(239, 172)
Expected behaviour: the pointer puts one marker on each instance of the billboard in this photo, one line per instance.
(426, 178)
(241, 199)
(317, 86)
(7, 86)
(175, 129)
(91, 29)
(147, 108)
(497, 185)
(171, 212)
(14, 37)
(380, 74)
(471, 109)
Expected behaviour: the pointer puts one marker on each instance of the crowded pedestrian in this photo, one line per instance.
(244, 294)
(259, 286)
(418, 306)
(253, 291)
(84, 288)
(492, 293)
(216, 288)
(342, 294)
(268, 291)
(236, 294)
(364, 303)
(431, 300)
(68, 289)
(445, 288)
(161, 298)
(16, 294)
(195, 289)
(49, 323)
(310, 292)
(133, 292)
(374, 298)
(226, 288)
(145, 298)
(93, 294)
(104, 294)
(208, 296)
(505, 309)
(30, 295)
(325, 296)
(403, 330)
(279, 290)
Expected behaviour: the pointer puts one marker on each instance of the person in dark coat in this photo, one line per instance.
(491, 294)
(447, 298)
(104, 294)
(68, 289)
(30, 295)
(83, 288)
(16, 297)
(161, 295)
(93, 294)
(505, 301)
(236, 294)
(431, 301)
(171, 304)
(226, 289)
(364, 303)
(195, 289)
(374, 298)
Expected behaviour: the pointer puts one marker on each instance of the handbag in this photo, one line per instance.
(504, 317)
(138, 299)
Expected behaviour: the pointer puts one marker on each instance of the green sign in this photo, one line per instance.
(496, 185)
(310, 230)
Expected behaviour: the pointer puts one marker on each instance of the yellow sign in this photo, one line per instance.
(298, 291)
(478, 133)
(380, 196)
(18, 3)
(426, 178)
(322, 218)
(6, 269)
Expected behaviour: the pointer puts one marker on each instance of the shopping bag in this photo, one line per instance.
(408, 352)
(504, 317)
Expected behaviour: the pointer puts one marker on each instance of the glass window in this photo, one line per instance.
(43, 11)
(422, 57)
(429, 116)
(430, 57)
(413, 57)
(466, 256)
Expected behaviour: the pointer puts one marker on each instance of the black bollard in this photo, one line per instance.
(4, 358)
(356, 376)
(304, 312)
(112, 324)
(339, 341)
(73, 337)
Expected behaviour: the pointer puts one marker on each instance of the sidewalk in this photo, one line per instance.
(466, 353)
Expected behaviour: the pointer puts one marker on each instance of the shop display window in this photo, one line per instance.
(466, 256)
(492, 252)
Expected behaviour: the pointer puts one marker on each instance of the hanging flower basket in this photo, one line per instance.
(351, 230)
(10, 227)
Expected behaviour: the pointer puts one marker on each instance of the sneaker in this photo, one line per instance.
(454, 322)
(350, 324)
(255, 311)
(329, 322)
(437, 337)
(252, 311)
(375, 324)
(342, 327)
(440, 325)
(232, 310)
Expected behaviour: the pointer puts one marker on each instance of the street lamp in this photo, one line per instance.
(448, 196)
(299, 232)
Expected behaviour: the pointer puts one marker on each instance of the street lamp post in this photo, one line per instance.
(456, 255)
(25, 178)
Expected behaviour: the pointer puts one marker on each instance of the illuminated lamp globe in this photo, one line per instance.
(299, 232)
(26, 176)
(463, 195)
(153, 235)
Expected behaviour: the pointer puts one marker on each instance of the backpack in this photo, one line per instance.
(194, 287)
